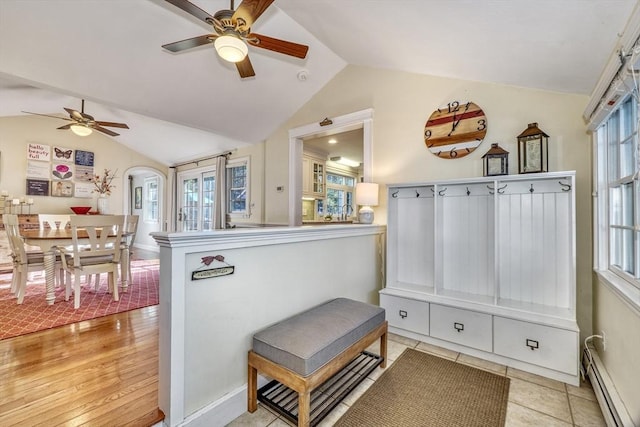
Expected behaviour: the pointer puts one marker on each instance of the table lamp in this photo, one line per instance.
(366, 196)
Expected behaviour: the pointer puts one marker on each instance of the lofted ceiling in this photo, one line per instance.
(189, 104)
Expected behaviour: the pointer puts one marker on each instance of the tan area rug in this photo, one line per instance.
(421, 390)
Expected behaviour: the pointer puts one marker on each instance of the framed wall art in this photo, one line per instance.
(138, 198)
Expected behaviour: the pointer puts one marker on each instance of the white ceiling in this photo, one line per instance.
(181, 106)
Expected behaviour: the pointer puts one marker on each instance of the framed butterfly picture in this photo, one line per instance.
(62, 154)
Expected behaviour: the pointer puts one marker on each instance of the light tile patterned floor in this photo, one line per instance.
(533, 400)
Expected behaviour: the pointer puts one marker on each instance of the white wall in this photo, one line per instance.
(206, 325)
(17, 132)
(403, 102)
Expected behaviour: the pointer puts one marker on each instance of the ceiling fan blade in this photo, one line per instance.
(189, 43)
(65, 127)
(47, 115)
(245, 68)
(105, 130)
(113, 125)
(249, 11)
(277, 45)
(192, 9)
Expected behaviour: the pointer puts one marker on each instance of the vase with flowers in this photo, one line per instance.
(103, 186)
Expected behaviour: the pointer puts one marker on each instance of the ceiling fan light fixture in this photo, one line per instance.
(81, 130)
(231, 48)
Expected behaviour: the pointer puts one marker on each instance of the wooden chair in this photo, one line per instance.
(54, 221)
(24, 262)
(130, 226)
(100, 255)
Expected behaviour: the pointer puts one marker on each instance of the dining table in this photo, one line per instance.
(50, 239)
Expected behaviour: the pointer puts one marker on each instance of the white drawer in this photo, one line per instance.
(465, 327)
(545, 346)
(405, 313)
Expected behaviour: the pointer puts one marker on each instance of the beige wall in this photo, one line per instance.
(402, 103)
(621, 325)
(17, 132)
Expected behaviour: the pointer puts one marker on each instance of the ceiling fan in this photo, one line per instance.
(83, 124)
(232, 33)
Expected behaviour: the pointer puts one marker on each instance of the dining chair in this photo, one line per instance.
(54, 221)
(24, 262)
(96, 242)
(131, 228)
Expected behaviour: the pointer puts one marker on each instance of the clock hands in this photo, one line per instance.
(455, 124)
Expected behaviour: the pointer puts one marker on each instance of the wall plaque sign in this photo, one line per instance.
(223, 270)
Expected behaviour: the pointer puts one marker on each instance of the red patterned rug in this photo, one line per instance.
(35, 315)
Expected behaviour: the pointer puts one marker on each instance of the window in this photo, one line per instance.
(150, 202)
(340, 190)
(618, 206)
(238, 187)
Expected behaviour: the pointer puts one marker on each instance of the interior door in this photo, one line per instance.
(196, 200)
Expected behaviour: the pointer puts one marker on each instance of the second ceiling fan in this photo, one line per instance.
(232, 33)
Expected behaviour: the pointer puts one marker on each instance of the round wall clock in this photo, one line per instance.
(455, 130)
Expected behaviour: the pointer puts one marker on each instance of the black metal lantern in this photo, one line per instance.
(495, 161)
(533, 148)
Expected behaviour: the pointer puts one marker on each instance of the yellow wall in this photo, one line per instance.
(17, 132)
(403, 102)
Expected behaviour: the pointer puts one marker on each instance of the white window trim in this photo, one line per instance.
(235, 163)
(625, 287)
(145, 203)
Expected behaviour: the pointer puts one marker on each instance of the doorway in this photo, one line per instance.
(349, 122)
(144, 196)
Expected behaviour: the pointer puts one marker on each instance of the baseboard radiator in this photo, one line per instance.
(613, 409)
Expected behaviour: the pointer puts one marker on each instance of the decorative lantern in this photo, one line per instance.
(533, 145)
(495, 161)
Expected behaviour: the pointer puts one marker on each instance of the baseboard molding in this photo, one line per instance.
(222, 411)
(612, 407)
(150, 248)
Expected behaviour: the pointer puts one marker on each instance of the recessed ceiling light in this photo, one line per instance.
(332, 141)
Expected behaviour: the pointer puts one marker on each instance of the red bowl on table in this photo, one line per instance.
(80, 210)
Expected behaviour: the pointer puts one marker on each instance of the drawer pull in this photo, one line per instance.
(458, 326)
(533, 344)
(403, 314)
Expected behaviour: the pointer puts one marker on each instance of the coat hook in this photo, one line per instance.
(501, 189)
(441, 192)
(468, 192)
(417, 194)
(491, 189)
(531, 190)
(565, 187)
(395, 195)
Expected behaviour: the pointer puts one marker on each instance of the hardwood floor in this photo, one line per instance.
(99, 372)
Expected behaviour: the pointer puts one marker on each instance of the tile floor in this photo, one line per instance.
(533, 400)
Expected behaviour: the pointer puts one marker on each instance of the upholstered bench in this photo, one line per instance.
(304, 351)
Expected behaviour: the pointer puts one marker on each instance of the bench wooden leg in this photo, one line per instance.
(383, 350)
(304, 407)
(252, 389)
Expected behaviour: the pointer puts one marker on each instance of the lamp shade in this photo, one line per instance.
(81, 130)
(367, 194)
(231, 48)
